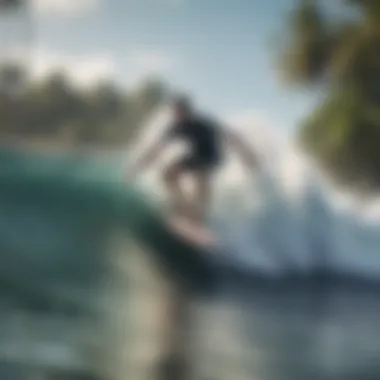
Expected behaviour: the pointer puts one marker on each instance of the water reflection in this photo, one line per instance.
(261, 333)
(292, 334)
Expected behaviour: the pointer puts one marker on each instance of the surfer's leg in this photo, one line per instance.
(172, 181)
(203, 192)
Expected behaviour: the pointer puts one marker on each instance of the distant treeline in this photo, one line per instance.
(55, 109)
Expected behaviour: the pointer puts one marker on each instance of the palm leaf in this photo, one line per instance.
(307, 49)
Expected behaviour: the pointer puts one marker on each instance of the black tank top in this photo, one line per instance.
(203, 136)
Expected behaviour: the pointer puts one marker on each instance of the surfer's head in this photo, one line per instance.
(182, 107)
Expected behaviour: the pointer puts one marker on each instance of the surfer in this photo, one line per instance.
(205, 138)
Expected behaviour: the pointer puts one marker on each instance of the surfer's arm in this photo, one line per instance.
(245, 151)
(150, 155)
(154, 151)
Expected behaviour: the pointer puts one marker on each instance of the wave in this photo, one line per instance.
(311, 229)
(291, 219)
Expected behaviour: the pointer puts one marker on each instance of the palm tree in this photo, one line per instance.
(342, 54)
(306, 46)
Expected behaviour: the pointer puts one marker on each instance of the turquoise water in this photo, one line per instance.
(58, 214)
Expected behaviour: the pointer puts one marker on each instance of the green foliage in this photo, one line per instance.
(54, 109)
(340, 50)
(304, 56)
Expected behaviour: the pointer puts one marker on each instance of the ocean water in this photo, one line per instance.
(308, 328)
(290, 332)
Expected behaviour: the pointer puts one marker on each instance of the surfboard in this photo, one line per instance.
(192, 232)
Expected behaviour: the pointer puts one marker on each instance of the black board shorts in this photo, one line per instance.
(194, 163)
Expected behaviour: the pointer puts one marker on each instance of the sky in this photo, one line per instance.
(220, 51)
